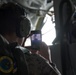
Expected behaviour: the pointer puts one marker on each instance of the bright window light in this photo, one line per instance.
(48, 31)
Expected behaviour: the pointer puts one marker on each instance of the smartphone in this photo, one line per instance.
(36, 39)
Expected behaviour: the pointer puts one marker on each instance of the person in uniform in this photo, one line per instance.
(13, 25)
(15, 59)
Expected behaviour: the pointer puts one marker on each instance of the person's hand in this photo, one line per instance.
(44, 50)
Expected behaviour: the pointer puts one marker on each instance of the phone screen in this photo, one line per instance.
(36, 39)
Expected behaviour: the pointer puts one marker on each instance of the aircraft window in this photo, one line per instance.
(48, 30)
(28, 42)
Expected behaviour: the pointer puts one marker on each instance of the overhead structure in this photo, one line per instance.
(35, 9)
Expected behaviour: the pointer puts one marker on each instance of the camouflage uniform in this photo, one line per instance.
(38, 65)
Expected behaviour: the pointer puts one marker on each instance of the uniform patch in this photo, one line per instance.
(6, 64)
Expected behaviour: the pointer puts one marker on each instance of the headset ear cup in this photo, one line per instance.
(23, 28)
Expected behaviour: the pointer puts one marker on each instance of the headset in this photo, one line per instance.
(11, 15)
(16, 22)
(23, 28)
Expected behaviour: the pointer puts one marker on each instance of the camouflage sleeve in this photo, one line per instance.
(39, 66)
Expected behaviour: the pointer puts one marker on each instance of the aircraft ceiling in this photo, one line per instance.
(35, 9)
